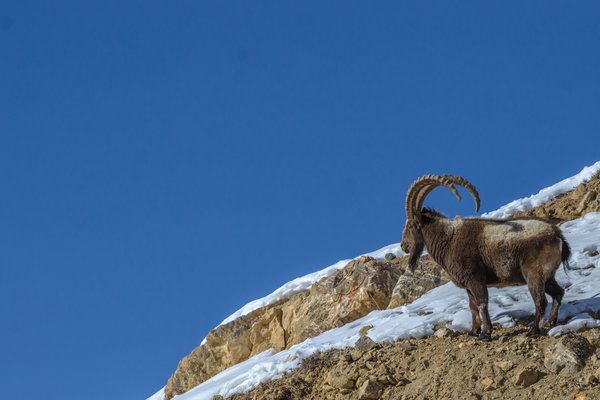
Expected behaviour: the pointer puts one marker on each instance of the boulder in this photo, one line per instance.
(504, 365)
(569, 354)
(412, 285)
(370, 390)
(343, 377)
(364, 344)
(390, 256)
(526, 377)
(352, 292)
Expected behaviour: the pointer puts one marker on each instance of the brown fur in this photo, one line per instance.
(478, 253)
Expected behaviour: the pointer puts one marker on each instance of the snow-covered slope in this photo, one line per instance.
(444, 304)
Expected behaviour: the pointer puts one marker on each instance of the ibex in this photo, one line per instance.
(480, 252)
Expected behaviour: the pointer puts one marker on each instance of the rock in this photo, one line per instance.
(365, 343)
(503, 339)
(594, 253)
(487, 382)
(413, 285)
(401, 381)
(327, 388)
(591, 379)
(526, 377)
(504, 365)
(522, 341)
(352, 292)
(443, 332)
(363, 331)
(569, 354)
(342, 378)
(217, 397)
(407, 346)
(594, 339)
(390, 256)
(370, 390)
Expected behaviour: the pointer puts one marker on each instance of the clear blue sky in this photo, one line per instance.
(163, 163)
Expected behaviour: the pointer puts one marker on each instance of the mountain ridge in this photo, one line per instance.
(583, 199)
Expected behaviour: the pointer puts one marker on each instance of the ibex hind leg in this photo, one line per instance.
(537, 291)
(556, 292)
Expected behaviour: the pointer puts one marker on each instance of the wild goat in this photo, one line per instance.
(479, 252)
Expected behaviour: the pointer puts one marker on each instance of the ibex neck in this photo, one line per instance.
(437, 235)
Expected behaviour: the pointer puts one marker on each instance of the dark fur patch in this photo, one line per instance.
(415, 253)
(432, 213)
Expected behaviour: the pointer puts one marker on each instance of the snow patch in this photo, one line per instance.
(545, 195)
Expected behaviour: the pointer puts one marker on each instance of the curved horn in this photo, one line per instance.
(424, 184)
(460, 181)
(451, 179)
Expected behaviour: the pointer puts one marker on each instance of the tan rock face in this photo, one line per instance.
(413, 285)
(583, 199)
(362, 286)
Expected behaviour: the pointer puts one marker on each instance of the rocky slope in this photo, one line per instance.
(447, 366)
(583, 199)
(351, 293)
(362, 286)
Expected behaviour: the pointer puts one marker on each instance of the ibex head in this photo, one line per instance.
(412, 236)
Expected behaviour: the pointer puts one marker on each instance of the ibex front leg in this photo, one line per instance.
(478, 302)
(476, 325)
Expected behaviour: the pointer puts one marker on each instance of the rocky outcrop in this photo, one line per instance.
(584, 199)
(352, 292)
(413, 285)
(568, 354)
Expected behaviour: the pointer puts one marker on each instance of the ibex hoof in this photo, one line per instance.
(550, 324)
(485, 337)
(533, 334)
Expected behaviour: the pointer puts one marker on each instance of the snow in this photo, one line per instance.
(544, 195)
(305, 282)
(446, 304)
